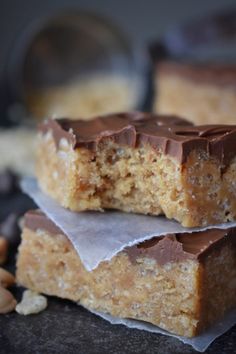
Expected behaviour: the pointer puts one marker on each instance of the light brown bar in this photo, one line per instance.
(143, 164)
(182, 283)
(202, 93)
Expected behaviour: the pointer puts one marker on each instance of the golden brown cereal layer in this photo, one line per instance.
(182, 297)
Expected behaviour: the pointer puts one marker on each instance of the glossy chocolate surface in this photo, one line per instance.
(170, 135)
(170, 248)
(179, 247)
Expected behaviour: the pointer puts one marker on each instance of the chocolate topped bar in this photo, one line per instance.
(169, 248)
(180, 292)
(173, 136)
(216, 74)
(141, 163)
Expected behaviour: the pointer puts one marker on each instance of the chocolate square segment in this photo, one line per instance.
(142, 163)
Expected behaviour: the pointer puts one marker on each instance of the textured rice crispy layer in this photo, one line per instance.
(183, 298)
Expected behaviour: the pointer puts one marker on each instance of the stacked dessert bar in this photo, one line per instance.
(210, 89)
(146, 164)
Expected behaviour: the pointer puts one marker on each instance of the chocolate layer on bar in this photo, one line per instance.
(169, 248)
(36, 219)
(216, 74)
(121, 125)
(171, 135)
(179, 247)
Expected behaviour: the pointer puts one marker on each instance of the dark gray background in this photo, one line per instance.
(141, 20)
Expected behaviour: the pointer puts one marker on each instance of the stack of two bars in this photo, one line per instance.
(145, 164)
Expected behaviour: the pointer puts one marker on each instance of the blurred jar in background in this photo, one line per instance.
(75, 65)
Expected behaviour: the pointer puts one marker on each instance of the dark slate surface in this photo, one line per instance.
(67, 328)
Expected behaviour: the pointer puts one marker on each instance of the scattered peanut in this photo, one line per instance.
(6, 278)
(3, 250)
(7, 301)
(31, 303)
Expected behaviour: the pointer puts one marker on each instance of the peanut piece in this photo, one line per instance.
(3, 249)
(31, 303)
(6, 278)
(7, 301)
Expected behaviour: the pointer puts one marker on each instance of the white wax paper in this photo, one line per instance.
(97, 236)
(199, 343)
